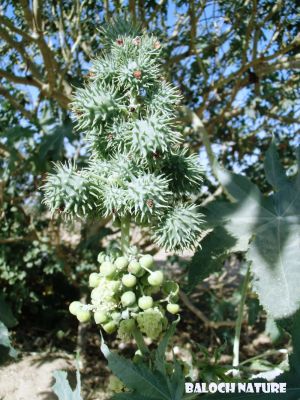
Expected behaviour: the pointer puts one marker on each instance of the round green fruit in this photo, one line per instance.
(128, 298)
(150, 290)
(173, 308)
(156, 278)
(134, 267)
(74, 307)
(83, 316)
(116, 316)
(96, 294)
(60, 334)
(101, 257)
(107, 268)
(145, 302)
(110, 327)
(100, 317)
(138, 357)
(146, 261)
(115, 286)
(94, 280)
(129, 280)
(121, 263)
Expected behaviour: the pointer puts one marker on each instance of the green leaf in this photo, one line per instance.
(275, 173)
(273, 224)
(62, 387)
(215, 248)
(53, 142)
(5, 341)
(238, 186)
(177, 382)
(6, 315)
(240, 218)
(16, 133)
(162, 347)
(137, 377)
(274, 253)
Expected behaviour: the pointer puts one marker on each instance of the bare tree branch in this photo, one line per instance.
(5, 21)
(22, 51)
(5, 93)
(24, 80)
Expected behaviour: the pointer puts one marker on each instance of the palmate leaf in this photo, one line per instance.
(144, 383)
(216, 246)
(5, 341)
(62, 388)
(268, 228)
(274, 251)
(274, 225)
(138, 377)
(6, 315)
(160, 353)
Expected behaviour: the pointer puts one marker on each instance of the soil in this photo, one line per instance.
(31, 378)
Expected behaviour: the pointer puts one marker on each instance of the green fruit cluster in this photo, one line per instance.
(129, 292)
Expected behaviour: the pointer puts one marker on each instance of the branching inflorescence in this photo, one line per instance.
(138, 170)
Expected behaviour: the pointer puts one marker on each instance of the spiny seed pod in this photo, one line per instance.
(127, 114)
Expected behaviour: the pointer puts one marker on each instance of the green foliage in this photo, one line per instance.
(267, 228)
(216, 244)
(6, 314)
(144, 382)
(290, 377)
(7, 320)
(5, 341)
(62, 388)
(136, 168)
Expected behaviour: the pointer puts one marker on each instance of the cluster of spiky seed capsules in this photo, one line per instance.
(128, 292)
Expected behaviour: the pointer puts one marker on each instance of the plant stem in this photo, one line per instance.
(138, 337)
(239, 321)
(125, 235)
